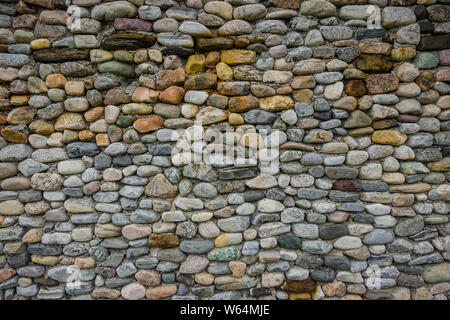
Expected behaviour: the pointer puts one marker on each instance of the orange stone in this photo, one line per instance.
(173, 95)
(102, 140)
(13, 136)
(86, 135)
(143, 94)
(212, 59)
(56, 80)
(161, 292)
(391, 137)
(19, 100)
(153, 123)
(308, 285)
(94, 114)
(381, 83)
(425, 81)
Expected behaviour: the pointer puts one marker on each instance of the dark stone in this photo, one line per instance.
(337, 262)
(369, 33)
(376, 186)
(322, 274)
(54, 55)
(128, 41)
(364, 218)
(132, 24)
(215, 43)
(426, 27)
(44, 250)
(378, 295)
(329, 232)
(408, 280)
(347, 185)
(421, 12)
(177, 51)
(80, 149)
(237, 173)
(289, 242)
(439, 42)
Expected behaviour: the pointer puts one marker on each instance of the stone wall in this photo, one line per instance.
(238, 149)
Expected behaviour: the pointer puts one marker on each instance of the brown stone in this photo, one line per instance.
(236, 56)
(86, 135)
(25, 21)
(299, 286)
(42, 127)
(173, 95)
(403, 53)
(143, 94)
(242, 103)
(276, 103)
(152, 123)
(71, 121)
(49, 31)
(373, 63)
(49, 4)
(56, 80)
(14, 137)
(163, 240)
(382, 48)
(16, 183)
(286, 4)
(384, 124)
(94, 114)
(116, 96)
(442, 165)
(442, 75)
(8, 74)
(161, 292)
(347, 185)
(105, 293)
(167, 78)
(212, 59)
(303, 82)
(391, 137)
(160, 187)
(381, 83)
(6, 274)
(201, 81)
(22, 115)
(355, 88)
(360, 132)
(33, 236)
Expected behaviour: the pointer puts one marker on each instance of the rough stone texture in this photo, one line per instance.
(224, 149)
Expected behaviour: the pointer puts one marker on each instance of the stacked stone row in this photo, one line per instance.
(341, 191)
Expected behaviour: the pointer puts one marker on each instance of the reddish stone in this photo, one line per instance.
(167, 78)
(116, 96)
(26, 21)
(303, 82)
(442, 75)
(407, 118)
(425, 81)
(49, 31)
(355, 88)
(16, 183)
(160, 292)
(347, 185)
(173, 95)
(132, 24)
(153, 123)
(381, 83)
(148, 278)
(6, 274)
(8, 74)
(106, 272)
(2, 118)
(18, 87)
(308, 285)
(94, 114)
(444, 57)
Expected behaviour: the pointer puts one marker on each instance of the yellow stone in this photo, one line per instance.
(236, 119)
(276, 103)
(98, 55)
(224, 72)
(299, 296)
(236, 56)
(222, 241)
(391, 137)
(45, 260)
(195, 63)
(102, 140)
(204, 278)
(19, 100)
(303, 95)
(403, 53)
(40, 44)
